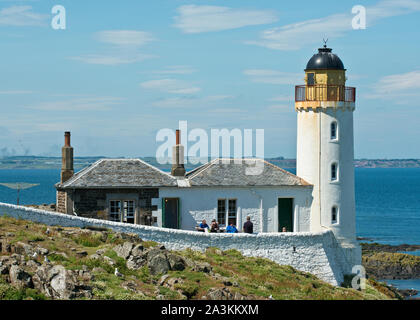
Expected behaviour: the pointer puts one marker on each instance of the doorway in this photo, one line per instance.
(285, 208)
(170, 212)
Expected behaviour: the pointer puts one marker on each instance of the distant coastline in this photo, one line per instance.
(39, 162)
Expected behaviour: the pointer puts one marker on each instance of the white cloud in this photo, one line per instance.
(188, 102)
(112, 60)
(297, 35)
(176, 70)
(197, 19)
(125, 37)
(16, 92)
(20, 16)
(79, 104)
(124, 50)
(404, 87)
(170, 86)
(273, 76)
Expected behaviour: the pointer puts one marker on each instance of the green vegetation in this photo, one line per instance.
(252, 278)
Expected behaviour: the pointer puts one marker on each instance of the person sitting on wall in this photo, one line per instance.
(248, 225)
(214, 227)
(231, 229)
(203, 226)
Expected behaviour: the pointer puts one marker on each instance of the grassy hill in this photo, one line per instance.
(82, 265)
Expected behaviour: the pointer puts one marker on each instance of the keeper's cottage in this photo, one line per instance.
(320, 197)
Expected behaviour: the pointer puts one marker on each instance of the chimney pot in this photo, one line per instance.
(67, 139)
(178, 137)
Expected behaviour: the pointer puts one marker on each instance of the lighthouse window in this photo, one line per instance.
(334, 172)
(311, 79)
(334, 130)
(334, 215)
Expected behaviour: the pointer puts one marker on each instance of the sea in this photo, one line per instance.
(387, 203)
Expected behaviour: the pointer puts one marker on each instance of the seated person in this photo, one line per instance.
(214, 227)
(203, 226)
(231, 229)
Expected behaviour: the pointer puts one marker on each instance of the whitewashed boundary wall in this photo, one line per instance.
(316, 253)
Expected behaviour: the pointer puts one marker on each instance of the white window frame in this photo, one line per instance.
(334, 138)
(337, 172)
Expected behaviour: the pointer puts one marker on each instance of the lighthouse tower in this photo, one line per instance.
(325, 148)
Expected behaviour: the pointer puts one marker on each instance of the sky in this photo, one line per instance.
(123, 70)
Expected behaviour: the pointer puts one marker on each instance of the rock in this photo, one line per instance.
(22, 248)
(100, 252)
(130, 285)
(95, 257)
(135, 263)
(163, 279)
(202, 267)
(160, 297)
(81, 254)
(176, 262)
(64, 284)
(137, 250)
(159, 264)
(219, 294)
(131, 237)
(32, 264)
(4, 269)
(227, 283)
(98, 270)
(110, 261)
(19, 278)
(124, 250)
(42, 251)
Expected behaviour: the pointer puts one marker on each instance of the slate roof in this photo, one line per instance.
(119, 173)
(135, 173)
(242, 173)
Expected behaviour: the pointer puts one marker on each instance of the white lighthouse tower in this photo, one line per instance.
(325, 148)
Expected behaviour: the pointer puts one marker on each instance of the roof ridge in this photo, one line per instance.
(157, 169)
(204, 167)
(82, 173)
(288, 173)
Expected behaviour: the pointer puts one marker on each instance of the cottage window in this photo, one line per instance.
(334, 135)
(334, 215)
(232, 212)
(128, 211)
(115, 210)
(221, 211)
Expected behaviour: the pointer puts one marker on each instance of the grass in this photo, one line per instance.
(255, 277)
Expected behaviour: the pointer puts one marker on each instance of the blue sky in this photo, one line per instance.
(122, 70)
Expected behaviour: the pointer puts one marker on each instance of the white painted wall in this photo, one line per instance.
(260, 203)
(318, 253)
(316, 152)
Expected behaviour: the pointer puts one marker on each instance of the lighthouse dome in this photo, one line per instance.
(325, 59)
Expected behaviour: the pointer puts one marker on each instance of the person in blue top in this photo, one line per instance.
(231, 229)
(203, 226)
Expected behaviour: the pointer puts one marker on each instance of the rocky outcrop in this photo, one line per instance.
(384, 262)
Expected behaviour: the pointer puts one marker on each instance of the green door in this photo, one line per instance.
(286, 214)
(171, 213)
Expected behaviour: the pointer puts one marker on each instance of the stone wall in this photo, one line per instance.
(92, 203)
(317, 253)
(61, 202)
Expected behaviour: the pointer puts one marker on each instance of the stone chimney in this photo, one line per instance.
(178, 169)
(67, 170)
